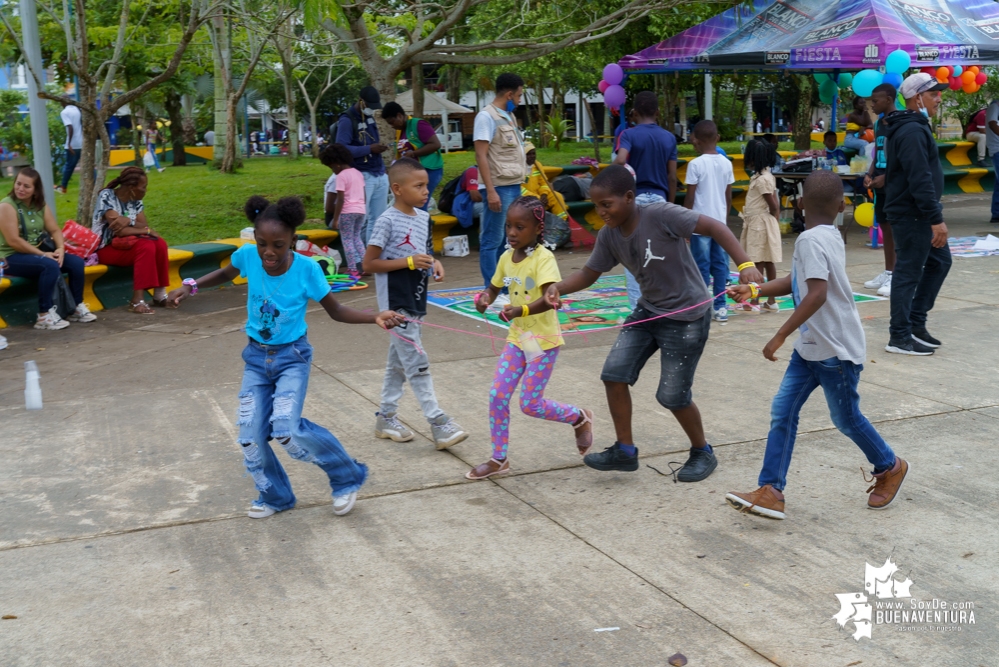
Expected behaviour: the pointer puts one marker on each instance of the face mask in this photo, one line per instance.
(370, 113)
(511, 106)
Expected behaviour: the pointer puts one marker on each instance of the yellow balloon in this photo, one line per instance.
(864, 214)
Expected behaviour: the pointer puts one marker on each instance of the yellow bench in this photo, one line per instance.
(442, 229)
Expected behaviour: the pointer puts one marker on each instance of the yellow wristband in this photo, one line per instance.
(754, 290)
(526, 311)
(409, 261)
(746, 265)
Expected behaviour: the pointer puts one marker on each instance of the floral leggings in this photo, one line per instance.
(351, 235)
(511, 366)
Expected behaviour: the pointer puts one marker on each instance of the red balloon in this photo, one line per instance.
(950, 70)
(981, 78)
(955, 83)
(929, 70)
(602, 86)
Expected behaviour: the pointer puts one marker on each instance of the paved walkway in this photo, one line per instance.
(124, 540)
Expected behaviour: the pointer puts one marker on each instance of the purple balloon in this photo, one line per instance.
(613, 74)
(614, 96)
(603, 86)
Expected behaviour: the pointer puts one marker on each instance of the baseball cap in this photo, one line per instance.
(371, 98)
(918, 83)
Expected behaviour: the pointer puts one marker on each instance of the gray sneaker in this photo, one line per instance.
(446, 432)
(389, 427)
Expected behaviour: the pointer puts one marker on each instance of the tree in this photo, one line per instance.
(322, 60)
(97, 62)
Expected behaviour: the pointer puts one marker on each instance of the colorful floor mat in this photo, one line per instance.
(604, 304)
(965, 247)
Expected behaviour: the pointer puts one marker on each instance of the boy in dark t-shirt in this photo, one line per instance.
(882, 103)
(400, 255)
(673, 313)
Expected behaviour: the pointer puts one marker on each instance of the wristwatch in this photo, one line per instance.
(131, 221)
(192, 283)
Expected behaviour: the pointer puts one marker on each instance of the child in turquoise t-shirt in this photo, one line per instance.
(278, 357)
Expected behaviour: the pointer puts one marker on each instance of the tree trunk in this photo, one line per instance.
(138, 122)
(803, 113)
(289, 103)
(453, 83)
(683, 115)
(541, 115)
(190, 131)
(173, 108)
(90, 120)
(219, 60)
(230, 159)
(748, 106)
(417, 78)
(102, 166)
(315, 128)
(593, 128)
(385, 83)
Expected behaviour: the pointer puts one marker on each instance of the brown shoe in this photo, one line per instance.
(488, 469)
(886, 485)
(765, 501)
(584, 431)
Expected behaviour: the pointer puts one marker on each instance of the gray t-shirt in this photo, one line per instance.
(400, 235)
(835, 329)
(991, 138)
(658, 255)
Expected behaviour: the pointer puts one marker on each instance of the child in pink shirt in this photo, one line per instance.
(350, 210)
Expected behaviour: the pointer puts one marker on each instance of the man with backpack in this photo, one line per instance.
(357, 130)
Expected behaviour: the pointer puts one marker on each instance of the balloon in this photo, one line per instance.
(613, 74)
(975, 69)
(827, 91)
(845, 81)
(865, 81)
(932, 71)
(955, 84)
(899, 102)
(897, 62)
(967, 77)
(820, 77)
(864, 214)
(894, 78)
(602, 86)
(968, 88)
(943, 74)
(950, 70)
(614, 96)
(981, 78)
(958, 70)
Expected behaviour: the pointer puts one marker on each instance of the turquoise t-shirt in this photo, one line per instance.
(276, 304)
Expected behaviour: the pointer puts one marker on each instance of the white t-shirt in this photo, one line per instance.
(712, 174)
(330, 184)
(71, 118)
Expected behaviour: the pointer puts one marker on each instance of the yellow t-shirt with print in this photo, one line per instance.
(524, 281)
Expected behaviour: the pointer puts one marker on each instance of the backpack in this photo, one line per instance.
(450, 190)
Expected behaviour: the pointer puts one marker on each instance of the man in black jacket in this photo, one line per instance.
(913, 186)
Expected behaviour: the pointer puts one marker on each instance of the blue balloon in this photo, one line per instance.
(898, 62)
(865, 81)
(894, 79)
(958, 70)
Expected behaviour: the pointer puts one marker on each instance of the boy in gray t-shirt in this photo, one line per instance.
(829, 353)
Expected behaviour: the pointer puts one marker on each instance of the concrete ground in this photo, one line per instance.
(124, 539)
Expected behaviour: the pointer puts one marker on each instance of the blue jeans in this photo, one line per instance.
(46, 271)
(995, 190)
(434, 177)
(492, 230)
(376, 189)
(920, 271)
(634, 290)
(856, 143)
(838, 380)
(712, 260)
(275, 379)
(67, 171)
(152, 149)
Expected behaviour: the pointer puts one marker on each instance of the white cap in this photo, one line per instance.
(918, 83)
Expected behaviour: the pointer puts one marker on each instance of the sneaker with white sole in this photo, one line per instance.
(885, 290)
(51, 321)
(260, 511)
(3, 343)
(721, 315)
(923, 336)
(880, 280)
(344, 503)
(388, 427)
(82, 314)
(911, 347)
(446, 432)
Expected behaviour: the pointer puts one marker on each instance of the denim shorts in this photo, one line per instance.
(680, 345)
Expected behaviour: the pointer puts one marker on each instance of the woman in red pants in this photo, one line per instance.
(127, 240)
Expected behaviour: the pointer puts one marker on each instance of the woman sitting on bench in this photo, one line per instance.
(127, 240)
(31, 243)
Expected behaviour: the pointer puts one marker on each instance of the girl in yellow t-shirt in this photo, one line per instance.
(526, 269)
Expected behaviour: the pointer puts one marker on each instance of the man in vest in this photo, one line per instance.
(356, 129)
(418, 141)
(499, 154)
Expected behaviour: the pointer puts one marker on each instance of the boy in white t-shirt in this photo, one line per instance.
(709, 192)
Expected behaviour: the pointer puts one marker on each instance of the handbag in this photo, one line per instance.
(44, 241)
(62, 299)
(128, 242)
(79, 240)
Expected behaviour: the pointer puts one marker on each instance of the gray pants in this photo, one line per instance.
(408, 361)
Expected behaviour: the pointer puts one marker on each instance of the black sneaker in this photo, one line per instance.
(923, 336)
(994, 221)
(612, 458)
(911, 347)
(700, 464)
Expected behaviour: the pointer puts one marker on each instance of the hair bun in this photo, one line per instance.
(291, 210)
(255, 205)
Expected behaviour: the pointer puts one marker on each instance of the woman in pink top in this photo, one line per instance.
(350, 211)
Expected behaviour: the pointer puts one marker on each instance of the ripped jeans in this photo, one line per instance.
(270, 406)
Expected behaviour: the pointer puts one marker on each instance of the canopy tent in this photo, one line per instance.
(433, 104)
(830, 35)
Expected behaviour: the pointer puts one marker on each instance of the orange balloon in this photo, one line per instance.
(968, 77)
(943, 75)
(975, 69)
(968, 88)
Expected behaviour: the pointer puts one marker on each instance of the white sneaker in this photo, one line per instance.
(259, 511)
(3, 343)
(446, 432)
(345, 503)
(885, 290)
(721, 315)
(51, 321)
(162, 169)
(82, 314)
(880, 280)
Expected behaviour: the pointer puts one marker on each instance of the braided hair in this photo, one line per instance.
(129, 176)
(536, 209)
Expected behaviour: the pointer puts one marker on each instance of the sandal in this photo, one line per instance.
(771, 307)
(747, 307)
(160, 303)
(140, 307)
(488, 469)
(584, 432)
